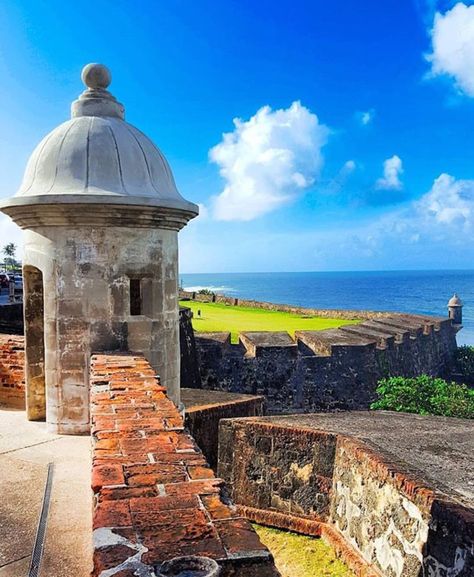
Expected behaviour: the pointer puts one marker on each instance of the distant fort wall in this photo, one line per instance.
(333, 369)
(323, 313)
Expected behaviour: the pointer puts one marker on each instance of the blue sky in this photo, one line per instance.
(354, 145)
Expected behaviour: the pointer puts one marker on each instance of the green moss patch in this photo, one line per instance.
(298, 555)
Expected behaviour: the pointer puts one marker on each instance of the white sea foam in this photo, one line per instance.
(214, 289)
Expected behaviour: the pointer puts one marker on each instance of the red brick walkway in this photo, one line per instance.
(155, 496)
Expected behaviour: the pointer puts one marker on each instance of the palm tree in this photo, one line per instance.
(9, 250)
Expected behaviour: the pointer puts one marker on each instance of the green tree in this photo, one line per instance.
(9, 250)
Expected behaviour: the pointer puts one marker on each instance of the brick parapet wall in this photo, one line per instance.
(12, 371)
(383, 519)
(155, 496)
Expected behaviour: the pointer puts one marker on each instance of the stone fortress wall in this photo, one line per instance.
(354, 479)
(333, 369)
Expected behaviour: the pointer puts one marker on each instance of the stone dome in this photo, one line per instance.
(94, 155)
(98, 158)
(455, 301)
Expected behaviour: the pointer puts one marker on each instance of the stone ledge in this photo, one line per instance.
(155, 496)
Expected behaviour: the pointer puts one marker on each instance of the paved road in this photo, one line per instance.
(4, 296)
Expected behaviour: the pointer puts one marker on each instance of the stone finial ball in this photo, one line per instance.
(96, 76)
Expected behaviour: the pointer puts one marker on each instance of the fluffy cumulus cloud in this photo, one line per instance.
(267, 161)
(435, 231)
(453, 46)
(443, 216)
(392, 169)
(449, 202)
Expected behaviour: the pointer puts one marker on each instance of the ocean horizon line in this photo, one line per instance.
(418, 270)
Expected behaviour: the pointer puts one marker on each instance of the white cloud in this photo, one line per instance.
(267, 161)
(392, 169)
(366, 117)
(453, 46)
(436, 231)
(449, 202)
(203, 213)
(336, 184)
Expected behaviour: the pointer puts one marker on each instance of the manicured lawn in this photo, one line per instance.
(216, 317)
(301, 556)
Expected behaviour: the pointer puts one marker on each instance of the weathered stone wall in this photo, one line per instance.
(277, 468)
(369, 506)
(12, 372)
(395, 521)
(384, 518)
(155, 496)
(87, 278)
(34, 345)
(205, 409)
(334, 369)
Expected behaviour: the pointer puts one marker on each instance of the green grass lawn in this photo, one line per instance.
(217, 317)
(301, 556)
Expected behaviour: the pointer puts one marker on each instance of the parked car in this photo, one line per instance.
(18, 281)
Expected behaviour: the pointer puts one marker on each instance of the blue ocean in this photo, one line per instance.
(422, 292)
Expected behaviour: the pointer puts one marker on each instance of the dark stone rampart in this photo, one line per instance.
(189, 361)
(334, 369)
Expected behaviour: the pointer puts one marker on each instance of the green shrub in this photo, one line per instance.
(206, 291)
(465, 362)
(425, 395)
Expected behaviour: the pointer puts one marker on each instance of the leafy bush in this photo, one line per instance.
(425, 395)
(206, 291)
(465, 362)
